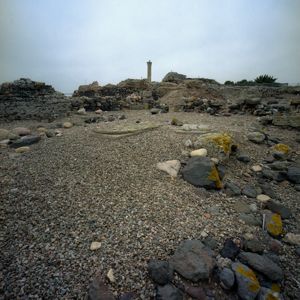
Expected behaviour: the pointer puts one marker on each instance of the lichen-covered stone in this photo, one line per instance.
(274, 224)
(282, 148)
(218, 145)
(248, 285)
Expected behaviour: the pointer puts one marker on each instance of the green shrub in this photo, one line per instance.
(265, 79)
(228, 82)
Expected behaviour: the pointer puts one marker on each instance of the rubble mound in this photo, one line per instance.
(26, 99)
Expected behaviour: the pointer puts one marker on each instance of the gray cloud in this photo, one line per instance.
(67, 43)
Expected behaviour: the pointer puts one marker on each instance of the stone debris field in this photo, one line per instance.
(184, 189)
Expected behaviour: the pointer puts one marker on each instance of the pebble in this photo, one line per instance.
(110, 276)
(256, 137)
(249, 191)
(263, 198)
(199, 152)
(256, 168)
(21, 131)
(230, 249)
(23, 149)
(227, 279)
(81, 111)
(168, 292)
(95, 245)
(171, 167)
(278, 208)
(67, 125)
(99, 111)
(292, 238)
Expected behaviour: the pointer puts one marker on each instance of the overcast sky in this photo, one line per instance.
(71, 42)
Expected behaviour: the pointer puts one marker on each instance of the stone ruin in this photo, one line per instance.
(26, 99)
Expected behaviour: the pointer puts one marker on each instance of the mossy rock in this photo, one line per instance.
(274, 224)
(218, 145)
(283, 148)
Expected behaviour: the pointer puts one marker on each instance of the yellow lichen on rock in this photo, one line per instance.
(214, 176)
(282, 148)
(274, 225)
(223, 140)
(253, 285)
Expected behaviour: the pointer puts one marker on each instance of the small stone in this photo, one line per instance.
(110, 276)
(256, 137)
(262, 264)
(254, 245)
(250, 191)
(253, 207)
(196, 292)
(250, 219)
(4, 143)
(4, 134)
(248, 285)
(298, 251)
(199, 152)
(297, 187)
(23, 149)
(95, 245)
(168, 292)
(256, 168)
(81, 111)
(232, 189)
(161, 272)
(274, 224)
(154, 111)
(188, 143)
(67, 125)
(99, 111)
(171, 167)
(283, 148)
(278, 208)
(292, 238)
(227, 279)
(242, 207)
(268, 294)
(230, 249)
(275, 246)
(21, 131)
(243, 157)
(26, 141)
(215, 160)
(293, 174)
(263, 198)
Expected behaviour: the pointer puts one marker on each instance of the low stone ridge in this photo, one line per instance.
(26, 99)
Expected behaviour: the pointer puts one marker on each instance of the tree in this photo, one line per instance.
(265, 79)
(228, 82)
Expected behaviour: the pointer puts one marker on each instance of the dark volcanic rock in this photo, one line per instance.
(202, 172)
(232, 189)
(193, 260)
(230, 249)
(26, 141)
(293, 174)
(27, 99)
(262, 264)
(280, 209)
(99, 291)
(161, 272)
(250, 191)
(227, 279)
(168, 292)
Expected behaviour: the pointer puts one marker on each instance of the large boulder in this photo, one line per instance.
(202, 172)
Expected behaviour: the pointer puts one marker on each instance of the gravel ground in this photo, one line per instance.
(82, 187)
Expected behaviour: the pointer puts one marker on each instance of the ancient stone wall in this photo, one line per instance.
(27, 99)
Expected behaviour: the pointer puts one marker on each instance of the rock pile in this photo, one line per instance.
(130, 94)
(27, 99)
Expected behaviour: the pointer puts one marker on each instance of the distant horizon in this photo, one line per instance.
(142, 78)
(72, 42)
